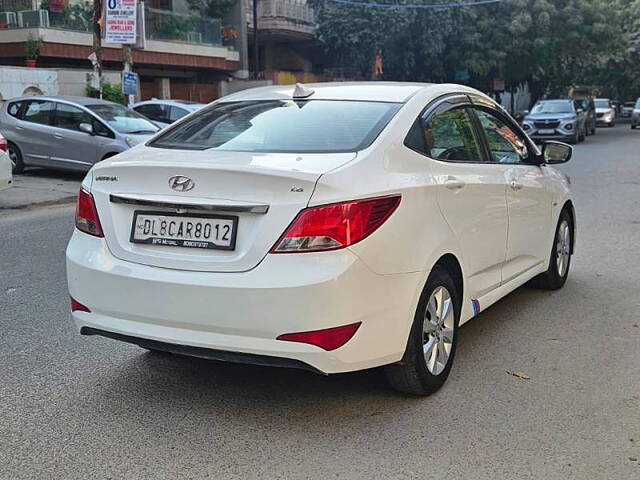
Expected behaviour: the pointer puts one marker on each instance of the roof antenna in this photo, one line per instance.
(302, 92)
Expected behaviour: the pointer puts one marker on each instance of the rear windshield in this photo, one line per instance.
(552, 107)
(281, 126)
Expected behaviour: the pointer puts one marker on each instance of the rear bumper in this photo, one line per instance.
(245, 312)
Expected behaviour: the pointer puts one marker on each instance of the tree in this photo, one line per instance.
(548, 44)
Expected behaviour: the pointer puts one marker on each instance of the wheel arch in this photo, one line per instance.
(451, 263)
(569, 208)
(109, 155)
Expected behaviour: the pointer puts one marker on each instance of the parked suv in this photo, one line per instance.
(560, 119)
(635, 116)
(165, 112)
(605, 112)
(70, 133)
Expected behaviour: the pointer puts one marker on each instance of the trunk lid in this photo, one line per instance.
(239, 184)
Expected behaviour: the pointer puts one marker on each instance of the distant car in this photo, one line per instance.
(627, 109)
(165, 112)
(559, 119)
(635, 116)
(605, 112)
(71, 133)
(589, 107)
(6, 177)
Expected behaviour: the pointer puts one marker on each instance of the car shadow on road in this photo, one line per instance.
(47, 173)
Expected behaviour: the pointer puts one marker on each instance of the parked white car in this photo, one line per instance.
(332, 227)
(6, 177)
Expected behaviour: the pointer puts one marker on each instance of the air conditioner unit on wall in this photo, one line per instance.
(8, 19)
(33, 18)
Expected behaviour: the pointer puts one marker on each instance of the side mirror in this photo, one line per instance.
(580, 110)
(86, 128)
(556, 152)
(525, 113)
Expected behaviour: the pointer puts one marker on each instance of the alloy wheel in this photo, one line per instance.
(438, 330)
(563, 248)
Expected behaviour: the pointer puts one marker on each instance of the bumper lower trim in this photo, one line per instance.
(201, 352)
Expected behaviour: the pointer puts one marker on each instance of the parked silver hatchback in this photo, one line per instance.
(70, 133)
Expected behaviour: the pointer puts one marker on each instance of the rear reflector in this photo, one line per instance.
(337, 225)
(3, 143)
(76, 306)
(87, 220)
(328, 339)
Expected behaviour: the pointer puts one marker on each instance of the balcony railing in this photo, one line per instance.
(294, 15)
(160, 25)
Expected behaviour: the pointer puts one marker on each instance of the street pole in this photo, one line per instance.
(97, 46)
(127, 64)
(255, 39)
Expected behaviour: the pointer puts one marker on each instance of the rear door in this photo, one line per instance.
(33, 132)
(471, 192)
(71, 147)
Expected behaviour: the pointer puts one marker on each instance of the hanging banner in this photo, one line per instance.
(120, 21)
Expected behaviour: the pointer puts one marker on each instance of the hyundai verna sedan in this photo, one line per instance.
(331, 227)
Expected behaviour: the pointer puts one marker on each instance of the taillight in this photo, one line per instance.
(327, 339)
(76, 306)
(87, 220)
(337, 225)
(3, 144)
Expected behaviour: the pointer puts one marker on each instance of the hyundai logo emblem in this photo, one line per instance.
(181, 183)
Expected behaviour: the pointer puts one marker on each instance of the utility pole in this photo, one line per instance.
(96, 56)
(127, 63)
(256, 63)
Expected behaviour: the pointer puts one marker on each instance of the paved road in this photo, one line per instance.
(81, 408)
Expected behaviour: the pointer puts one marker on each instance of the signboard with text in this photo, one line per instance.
(120, 21)
(129, 83)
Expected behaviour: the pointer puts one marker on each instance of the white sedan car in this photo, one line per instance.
(6, 177)
(331, 227)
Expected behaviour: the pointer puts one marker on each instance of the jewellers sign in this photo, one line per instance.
(120, 21)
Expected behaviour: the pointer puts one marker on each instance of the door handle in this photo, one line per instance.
(515, 185)
(58, 136)
(453, 183)
(18, 127)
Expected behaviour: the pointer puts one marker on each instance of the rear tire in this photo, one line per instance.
(17, 164)
(560, 259)
(431, 346)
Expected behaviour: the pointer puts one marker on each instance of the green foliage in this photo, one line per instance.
(212, 8)
(110, 92)
(549, 44)
(33, 47)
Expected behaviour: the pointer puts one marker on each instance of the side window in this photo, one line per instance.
(450, 136)
(505, 144)
(101, 129)
(39, 111)
(14, 108)
(70, 117)
(153, 111)
(177, 113)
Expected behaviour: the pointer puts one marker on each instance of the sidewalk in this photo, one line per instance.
(39, 187)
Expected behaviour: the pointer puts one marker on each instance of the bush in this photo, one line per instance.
(110, 92)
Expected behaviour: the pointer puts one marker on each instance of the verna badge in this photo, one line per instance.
(181, 183)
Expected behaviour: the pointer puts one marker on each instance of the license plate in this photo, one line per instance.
(546, 131)
(186, 230)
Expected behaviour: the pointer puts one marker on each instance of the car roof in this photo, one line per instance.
(397, 92)
(171, 101)
(67, 98)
